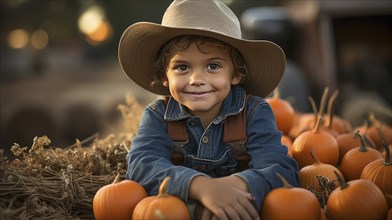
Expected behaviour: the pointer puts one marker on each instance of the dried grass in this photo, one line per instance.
(47, 182)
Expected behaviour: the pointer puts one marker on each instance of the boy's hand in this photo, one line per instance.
(222, 201)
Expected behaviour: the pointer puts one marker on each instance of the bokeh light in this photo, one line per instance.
(91, 20)
(18, 38)
(39, 39)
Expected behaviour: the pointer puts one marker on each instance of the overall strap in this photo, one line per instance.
(234, 134)
(178, 133)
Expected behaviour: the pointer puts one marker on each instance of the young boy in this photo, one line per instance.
(196, 58)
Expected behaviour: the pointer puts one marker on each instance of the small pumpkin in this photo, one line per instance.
(322, 143)
(162, 206)
(308, 174)
(283, 111)
(379, 172)
(290, 202)
(379, 132)
(117, 200)
(356, 159)
(357, 199)
(348, 141)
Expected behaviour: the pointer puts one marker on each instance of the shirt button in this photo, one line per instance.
(193, 123)
(205, 139)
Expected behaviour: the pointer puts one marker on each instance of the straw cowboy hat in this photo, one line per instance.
(140, 43)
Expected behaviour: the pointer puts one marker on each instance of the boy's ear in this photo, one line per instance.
(236, 80)
(165, 82)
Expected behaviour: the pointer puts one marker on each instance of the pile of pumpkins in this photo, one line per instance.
(329, 151)
(350, 168)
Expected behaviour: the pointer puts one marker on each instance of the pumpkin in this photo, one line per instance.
(290, 202)
(356, 159)
(356, 199)
(162, 206)
(322, 143)
(117, 200)
(379, 172)
(377, 132)
(283, 111)
(348, 141)
(308, 174)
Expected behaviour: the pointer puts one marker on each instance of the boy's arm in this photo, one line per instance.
(222, 199)
(234, 181)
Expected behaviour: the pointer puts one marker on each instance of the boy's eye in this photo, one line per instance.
(213, 66)
(182, 68)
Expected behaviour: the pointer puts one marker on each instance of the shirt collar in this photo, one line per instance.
(232, 105)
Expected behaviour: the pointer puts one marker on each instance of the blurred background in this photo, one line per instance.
(60, 76)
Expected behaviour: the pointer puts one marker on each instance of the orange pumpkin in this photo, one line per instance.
(162, 206)
(283, 111)
(348, 141)
(117, 200)
(290, 202)
(308, 174)
(357, 199)
(380, 132)
(377, 132)
(356, 159)
(380, 172)
(322, 143)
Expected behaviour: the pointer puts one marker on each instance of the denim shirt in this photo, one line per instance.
(206, 153)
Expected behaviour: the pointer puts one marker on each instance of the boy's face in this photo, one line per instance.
(201, 80)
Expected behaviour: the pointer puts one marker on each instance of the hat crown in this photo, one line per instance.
(210, 15)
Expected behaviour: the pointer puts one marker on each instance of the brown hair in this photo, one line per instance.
(183, 42)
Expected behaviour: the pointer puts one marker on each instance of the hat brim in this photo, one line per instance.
(140, 43)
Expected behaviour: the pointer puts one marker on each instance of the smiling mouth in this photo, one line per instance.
(199, 94)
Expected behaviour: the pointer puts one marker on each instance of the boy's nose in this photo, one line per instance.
(197, 78)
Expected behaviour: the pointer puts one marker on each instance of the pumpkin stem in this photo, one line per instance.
(321, 110)
(314, 108)
(331, 101)
(317, 125)
(163, 187)
(387, 161)
(322, 102)
(116, 179)
(284, 181)
(362, 148)
(343, 184)
(276, 94)
(314, 157)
